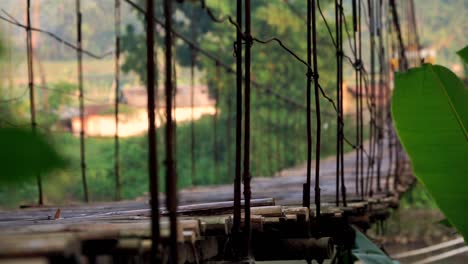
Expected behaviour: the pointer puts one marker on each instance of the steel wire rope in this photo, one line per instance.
(251, 39)
(357, 65)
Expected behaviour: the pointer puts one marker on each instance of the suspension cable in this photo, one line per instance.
(116, 105)
(152, 136)
(306, 190)
(81, 101)
(32, 104)
(236, 227)
(15, 22)
(246, 164)
(171, 180)
(317, 113)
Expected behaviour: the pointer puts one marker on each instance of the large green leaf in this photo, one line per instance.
(430, 112)
(24, 155)
(369, 253)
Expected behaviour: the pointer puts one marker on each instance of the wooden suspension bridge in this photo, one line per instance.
(272, 218)
(120, 231)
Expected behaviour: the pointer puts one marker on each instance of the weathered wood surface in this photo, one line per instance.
(35, 232)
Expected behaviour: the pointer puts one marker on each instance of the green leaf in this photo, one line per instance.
(369, 253)
(463, 53)
(429, 108)
(24, 155)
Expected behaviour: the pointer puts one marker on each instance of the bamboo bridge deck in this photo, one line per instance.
(120, 230)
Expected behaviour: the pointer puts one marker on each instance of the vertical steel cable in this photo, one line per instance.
(339, 96)
(396, 146)
(370, 165)
(81, 98)
(403, 65)
(356, 83)
(318, 117)
(152, 137)
(360, 99)
(380, 94)
(306, 186)
(117, 93)
(246, 175)
(32, 103)
(171, 180)
(386, 119)
(338, 116)
(391, 48)
(237, 180)
(341, 155)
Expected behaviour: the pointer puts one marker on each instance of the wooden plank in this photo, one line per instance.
(40, 260)
(30, 245)
(214, 207)
(298, 211)
(267, 210)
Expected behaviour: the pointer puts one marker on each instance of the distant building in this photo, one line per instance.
(99, 120)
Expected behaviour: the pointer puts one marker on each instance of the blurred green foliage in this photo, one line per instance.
(432, 98)
(417, 198)
(65, 185)
(20, 146)
(24, 153)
